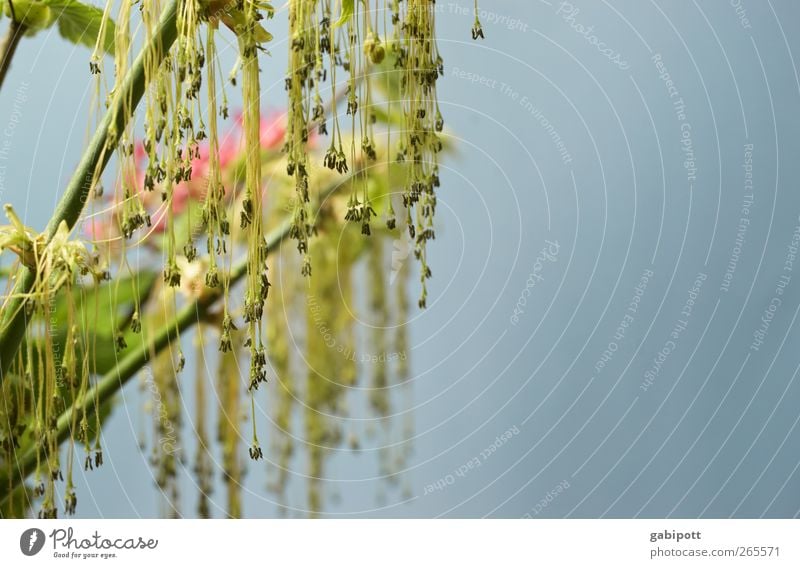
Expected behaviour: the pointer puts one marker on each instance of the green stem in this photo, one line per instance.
(93, 162)
(115, 379)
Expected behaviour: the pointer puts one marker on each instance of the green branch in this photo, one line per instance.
(93, 162)
(115, 379)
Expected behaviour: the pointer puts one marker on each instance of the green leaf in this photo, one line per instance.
(18, 504)
(106, 309)
(35, 15)
(77, 22)
(80, 23)
(348, 7)
(107, 306)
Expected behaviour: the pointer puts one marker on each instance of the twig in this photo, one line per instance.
(9, 43)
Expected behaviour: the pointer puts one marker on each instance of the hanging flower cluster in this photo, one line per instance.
(194, 196)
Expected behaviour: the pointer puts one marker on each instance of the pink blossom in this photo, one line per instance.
(231, 148)
(98, 229)
(139, 153)
(273, 130)
(180, 199)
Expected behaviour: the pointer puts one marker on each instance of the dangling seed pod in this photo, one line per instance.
(304, 59)
(422, 65)
(477, 29)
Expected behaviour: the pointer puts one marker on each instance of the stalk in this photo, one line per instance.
(92, 164)
(8, 46)
(115, 379)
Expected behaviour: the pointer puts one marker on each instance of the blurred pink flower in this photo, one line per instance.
(228, 149)
(231, 148)
(139, 153)
(180, 199)
(273, 130)
(99, 228)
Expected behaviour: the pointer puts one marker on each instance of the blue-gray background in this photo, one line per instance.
(715, 432)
